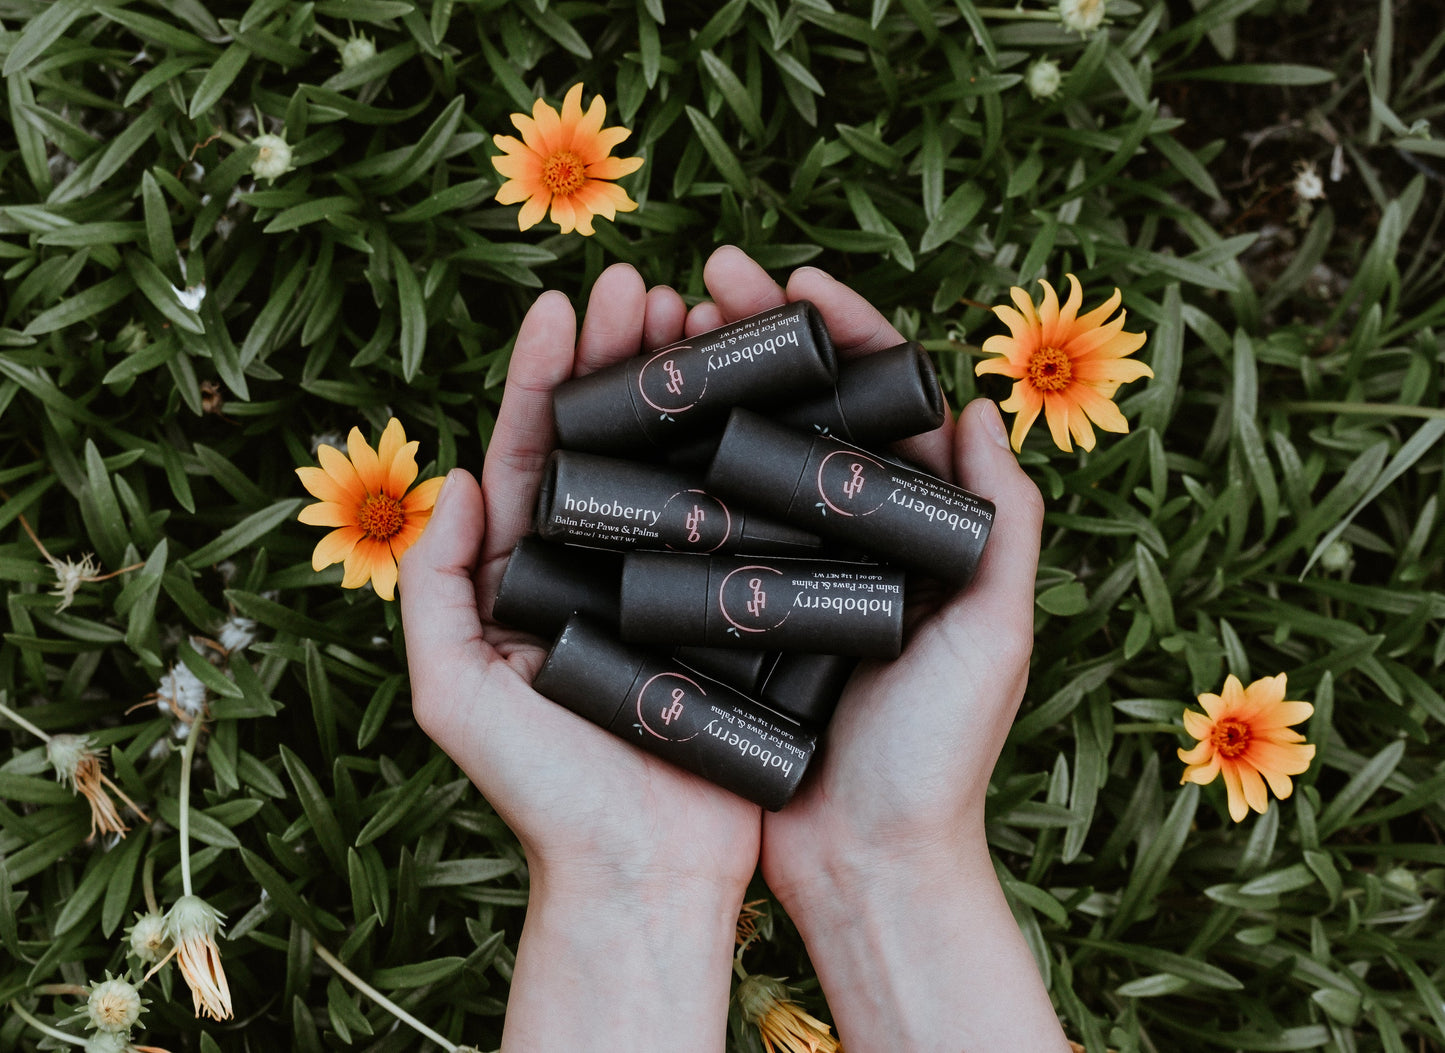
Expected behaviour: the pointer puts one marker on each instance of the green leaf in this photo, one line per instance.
(217, 79)
(721, 155)
(317, 808)
(1352, 797)
(412, 305)
(957, 212)
(244, 534)
(41, 31)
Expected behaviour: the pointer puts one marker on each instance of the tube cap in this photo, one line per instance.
(544, 583)
(595, 412)
(651, 585)
(759, 462)
(887, 395)
(806, 687)
(589, 672)
(744, 670)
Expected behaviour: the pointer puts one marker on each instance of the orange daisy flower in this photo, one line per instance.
(1066, 364)
(562, 163)
(365, 497)
(1246, 738)
(783, 1025)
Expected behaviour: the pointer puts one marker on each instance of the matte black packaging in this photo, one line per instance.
(899, 514)
(769, 604)
(702, 726)
(604, 501)
(545, 583)
(880, 397)
(646, 404)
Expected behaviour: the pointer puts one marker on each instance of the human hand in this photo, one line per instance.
(634, 864)
(880, 859)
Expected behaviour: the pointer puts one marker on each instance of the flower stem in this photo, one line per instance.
(1015, 13)
(148, 884)
(186, 757)
(380, 999)
(45, 1029)
(17, 718)
(327, 35)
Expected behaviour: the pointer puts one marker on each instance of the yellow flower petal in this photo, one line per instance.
(1072, 362)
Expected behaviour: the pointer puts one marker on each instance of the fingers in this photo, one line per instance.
(439, 601)
(612, 329)
(541, 359)
(663, 320)
(1001, 594)
(738, 285)
(855, 324)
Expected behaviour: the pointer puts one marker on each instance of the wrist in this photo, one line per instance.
(643, 955)
(923, 953)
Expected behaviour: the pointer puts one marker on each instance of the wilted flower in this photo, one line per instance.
(747, 924)
(562, 162)
(181, 692)
(357, 49)
(237, 633)
(783, 1025)
(114, 1005)
(273, 157)
(1308, 186)
(365, 497)
(1065, 364)
(77, 765)
(1246, 738)
(1338, 556)
(69, 576)
(148, 939)
(1082, 16)
(1043, 78)
(192, 925)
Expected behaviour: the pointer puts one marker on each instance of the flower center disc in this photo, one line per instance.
(1050, 369)
(1230, 737)
(381, 517)
(563, 173)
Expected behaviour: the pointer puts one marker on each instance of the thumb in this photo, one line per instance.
(1001, 594)
(438, 597)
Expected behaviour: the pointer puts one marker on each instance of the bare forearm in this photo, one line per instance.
(650, 971)
(925, 956)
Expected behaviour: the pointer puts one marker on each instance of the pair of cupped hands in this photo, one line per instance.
(901, 779)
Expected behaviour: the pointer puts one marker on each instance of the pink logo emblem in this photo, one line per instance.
(673, 711)
(692, 522)
(760, 598)
(674, 377)
(854, 485)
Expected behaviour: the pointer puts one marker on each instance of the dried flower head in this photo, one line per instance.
(273, 157)
(748, 918)
(563, 163)
(1065, 364)
(783, 1025)
(192, 925)
(108, 1042)
(237, 634)
(1245, 737)
(148, 939)
(357, 50)
(1043, 78)
(77, 765)
(1082, 16)
(114, 1006)
(1308, 186)
(181, 692)
(69, 576)
(365, 497)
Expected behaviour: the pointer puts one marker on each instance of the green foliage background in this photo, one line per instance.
(1296, 402)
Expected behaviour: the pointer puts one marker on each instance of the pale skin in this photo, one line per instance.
(637, 868)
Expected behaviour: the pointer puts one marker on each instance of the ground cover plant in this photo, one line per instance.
(231, 232)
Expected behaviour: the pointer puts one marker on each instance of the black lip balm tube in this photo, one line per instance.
(847, 494)
(888, 395)
(644, 405)
(545, 584)
(806, 687)
(879, 398)
(702, 726)
(766, 604)
(604, 501)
